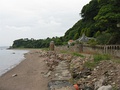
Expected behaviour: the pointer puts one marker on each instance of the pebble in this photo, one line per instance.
(48, 74)
(14, 75)
(88, 76)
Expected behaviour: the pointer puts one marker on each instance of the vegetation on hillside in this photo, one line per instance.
(100, 19)
(32, 43)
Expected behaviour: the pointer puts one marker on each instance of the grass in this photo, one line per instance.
(97, 58)
(63, 51)
(73, 53)
(115, 88)
(116, 60)
(77, 54)
(90, 65)
(100, 57)
(46, 49)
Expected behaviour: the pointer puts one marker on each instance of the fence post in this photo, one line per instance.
(77, 48)
(52, 45)
(81, 47)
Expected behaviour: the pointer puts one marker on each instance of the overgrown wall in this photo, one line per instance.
(107, 49)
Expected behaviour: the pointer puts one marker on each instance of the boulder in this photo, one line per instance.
(108, 87)
(99, 83)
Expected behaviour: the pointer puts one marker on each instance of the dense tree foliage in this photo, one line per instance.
(100, 19)
(32, 43)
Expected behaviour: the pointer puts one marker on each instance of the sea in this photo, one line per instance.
(9, 58)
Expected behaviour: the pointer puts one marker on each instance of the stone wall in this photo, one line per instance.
(107, 49)
(75, 48)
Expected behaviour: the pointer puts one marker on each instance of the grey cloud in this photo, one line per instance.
(37, 18)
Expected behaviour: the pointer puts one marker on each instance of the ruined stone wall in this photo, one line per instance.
(75, 48)
(107, 49)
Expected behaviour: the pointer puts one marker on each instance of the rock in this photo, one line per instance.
(65, 73)
(109, 87)
(69, 57)
(60, 56)
(94, 80)
(99, 83)
(89, 76)
(113, 83)
(60, 85)
(88, 88)
(13, 53)
(14, 75)
(61, 71)
(97, 67)
(48, 74)
(66, 88)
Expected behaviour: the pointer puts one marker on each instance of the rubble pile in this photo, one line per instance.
(77, 67)
(106, 73)
(104, 76)
(52, 58)
(60, 75)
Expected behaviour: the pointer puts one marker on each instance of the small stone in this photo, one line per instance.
(88, 76)
(48, 74)
(94, 79)
(97, 67)
(13, 53)
(14, 75)
(113, 83)
(56, 74)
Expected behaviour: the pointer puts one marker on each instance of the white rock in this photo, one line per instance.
(109, 87)
(14, 75)
(89, 76)
(99, 82)
(48, 74)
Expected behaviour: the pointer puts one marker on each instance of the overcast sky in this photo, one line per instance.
(37, 19)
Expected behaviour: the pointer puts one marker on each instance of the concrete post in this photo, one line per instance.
(81, 47)
(52, 45)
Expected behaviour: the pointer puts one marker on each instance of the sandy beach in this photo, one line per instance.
(28, 74)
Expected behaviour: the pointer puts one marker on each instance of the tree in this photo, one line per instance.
(76, 36)
(97, 34)
(90, 10)
(108, 15)
(104, 38)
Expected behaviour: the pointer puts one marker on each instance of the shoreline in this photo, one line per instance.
(27, 74)
(13, 65)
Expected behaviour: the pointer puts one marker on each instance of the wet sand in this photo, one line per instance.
(29, 74)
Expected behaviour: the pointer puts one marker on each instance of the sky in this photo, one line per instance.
(37, 19)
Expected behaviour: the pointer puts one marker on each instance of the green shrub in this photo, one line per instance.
(92, 42)
(103, 38)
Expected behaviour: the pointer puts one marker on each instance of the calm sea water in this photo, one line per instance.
(10, 58)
